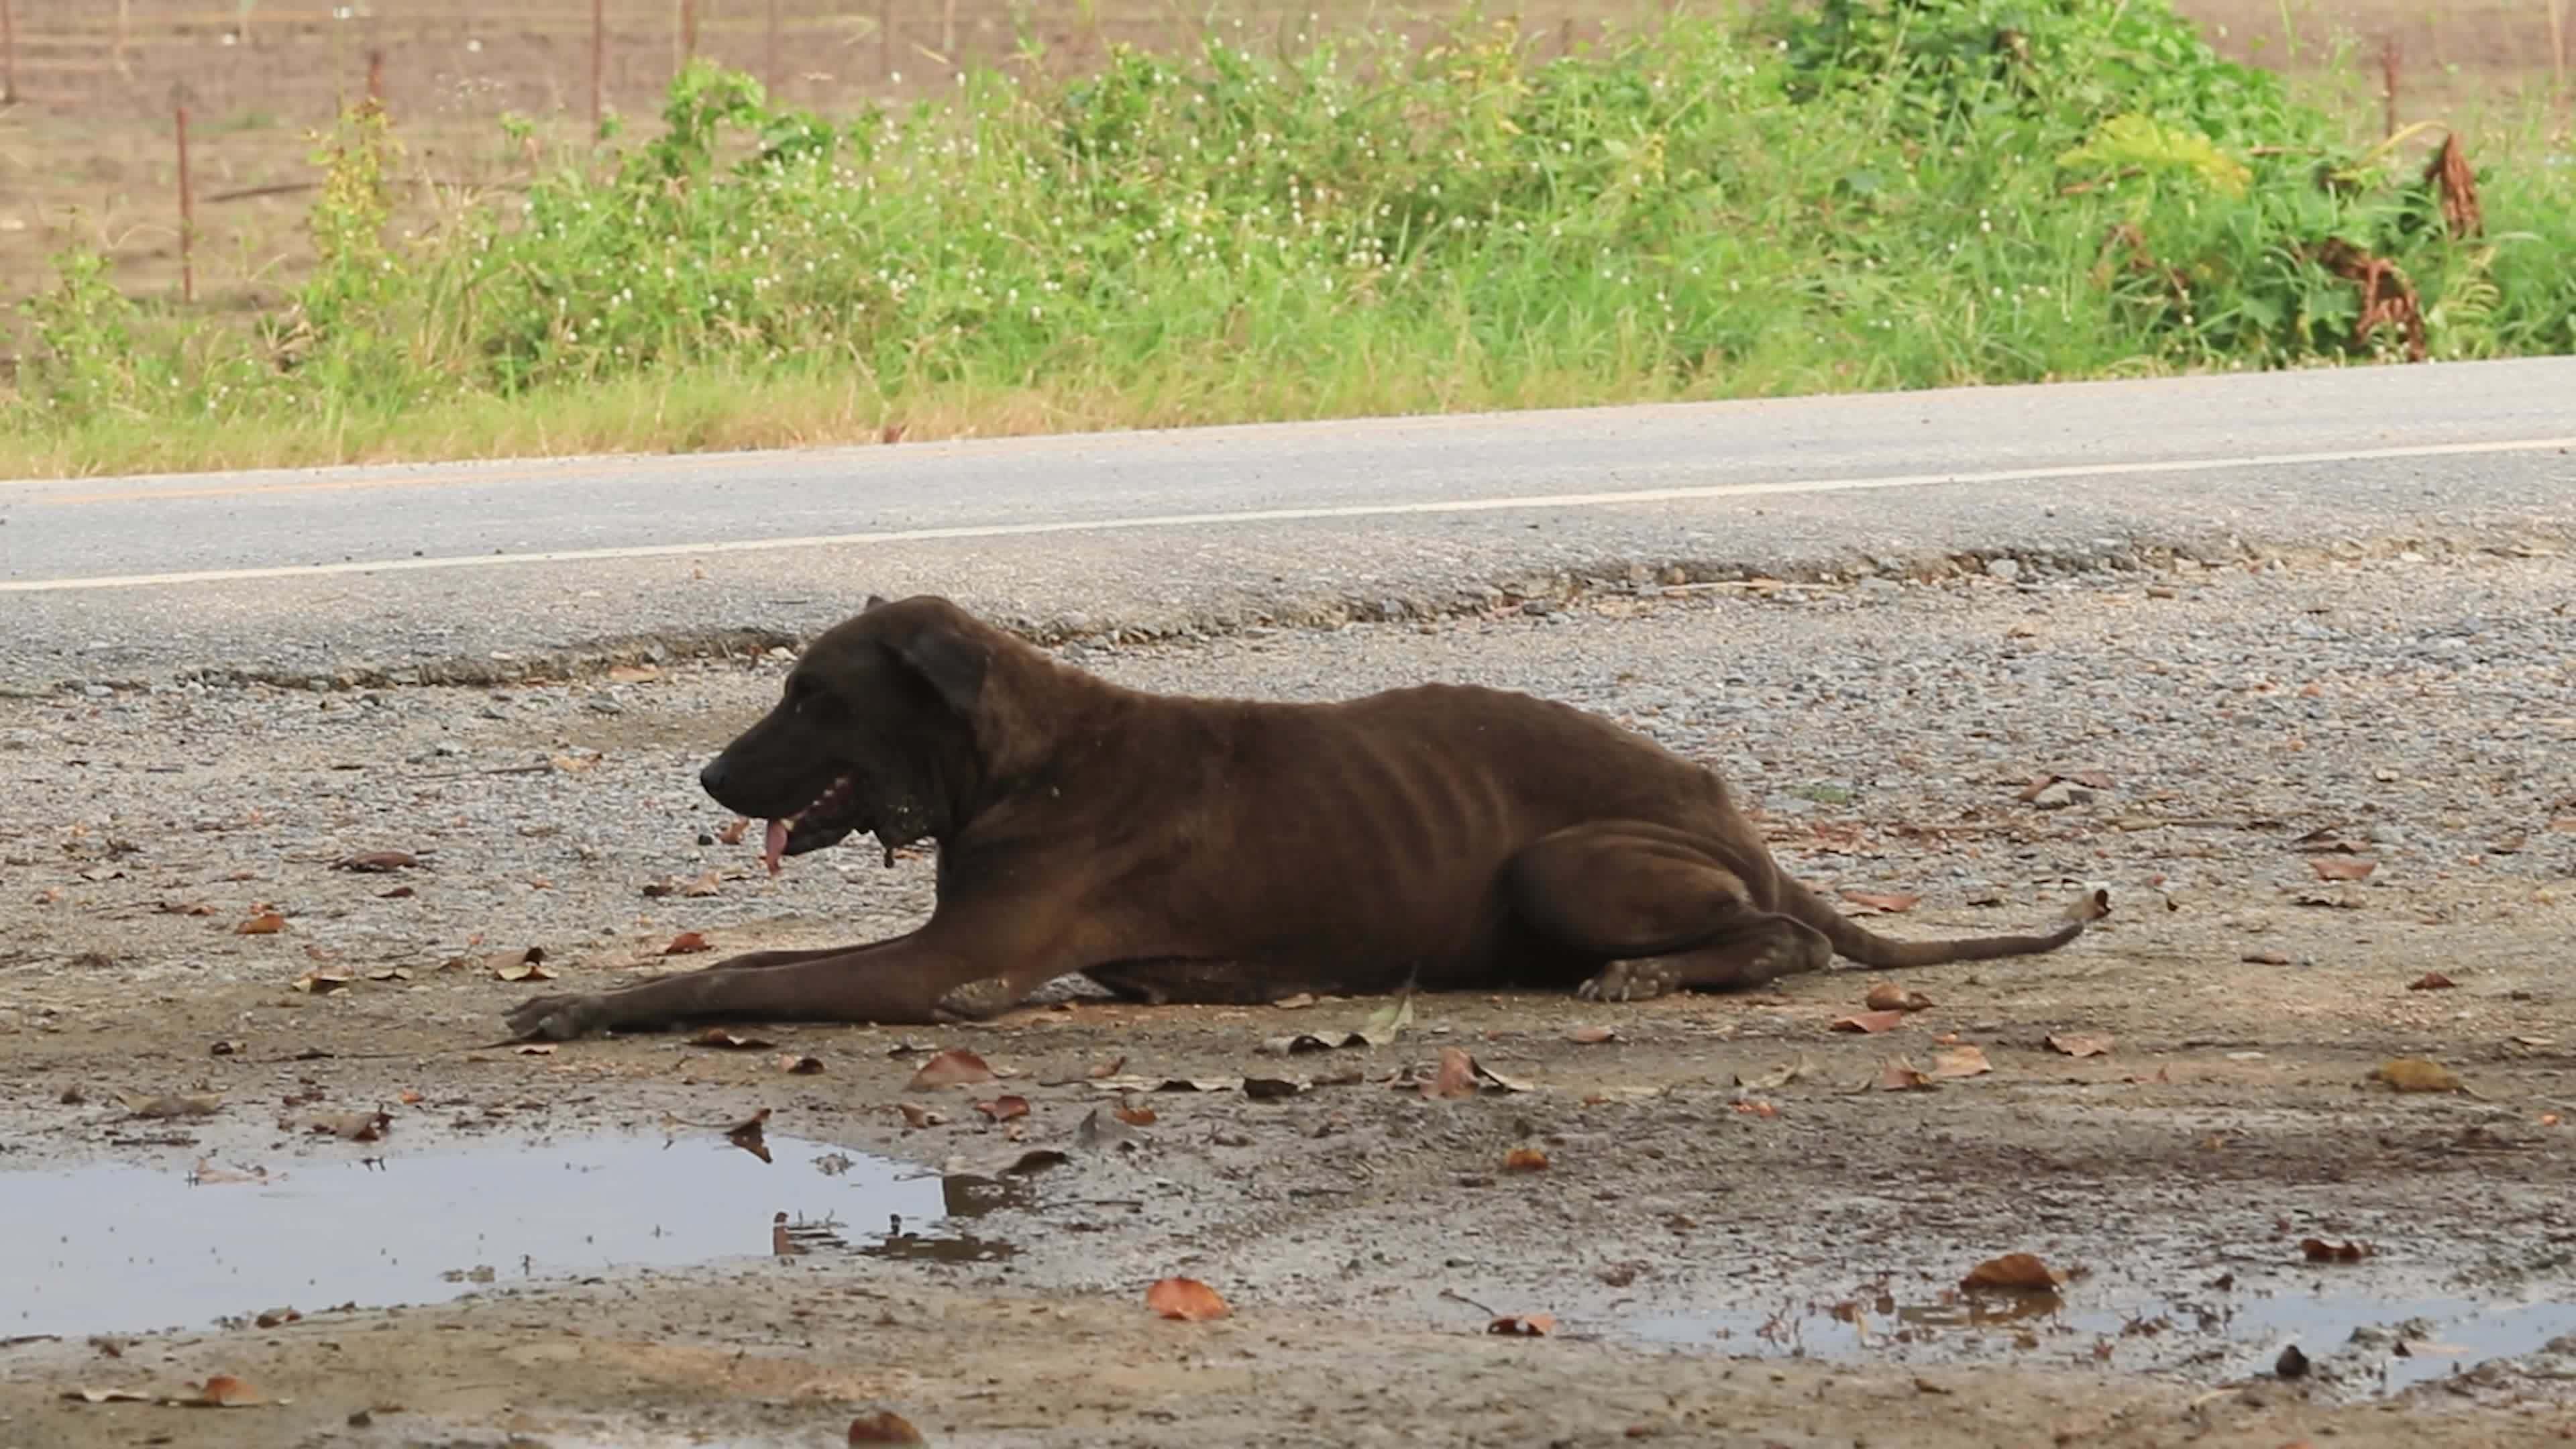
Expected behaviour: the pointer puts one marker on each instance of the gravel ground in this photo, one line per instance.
(1766, 1264)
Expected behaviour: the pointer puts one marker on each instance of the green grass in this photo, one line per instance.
(1881, 194)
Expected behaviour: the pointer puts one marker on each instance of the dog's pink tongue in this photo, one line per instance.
(773, 846)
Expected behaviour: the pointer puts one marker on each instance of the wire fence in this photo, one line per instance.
(296, 61)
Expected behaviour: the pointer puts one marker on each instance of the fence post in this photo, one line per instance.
(8, 55)
(769, 62)
(2389, 58)
(376, 77)
(885, 41)
(598, 59)
(187, 202)
(688, 31)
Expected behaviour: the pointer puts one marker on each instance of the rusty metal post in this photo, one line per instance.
(598, 59)
(688, 31)
(187, 203)
(376, 78)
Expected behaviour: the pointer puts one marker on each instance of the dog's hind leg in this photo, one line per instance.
(1656, 910)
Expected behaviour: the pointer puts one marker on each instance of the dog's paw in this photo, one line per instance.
(1640, 980)
(558, 1018)
(977, 1000)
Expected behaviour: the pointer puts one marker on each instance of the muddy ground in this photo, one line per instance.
(563, 1248)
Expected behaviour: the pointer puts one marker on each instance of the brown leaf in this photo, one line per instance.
(2016, 1273)
(538, 1049)
(1871, 1022)
(2318, 1250)
(796, 1066)
(1524, 1159)
(1186, 1299)
(107, 1396)
(145, 1104)
(885, 1426)
(2416, 1074)
(2080, 1043)
(1896, 1074)
(1109, 1068)
(265, 923)
(185, 908)
(748, 1136)
(321, 980)
(526, 968)
(377, 861)
(1888, 996)
(352, 1126)
(723, 1040)
(1523, 1325)
(730, 833)
(494, 961)
(1134, 1116)
(1963, 1061)
(1756, 1107)
(955, 1067)
(916, 1116)
(687, 943)
(1592, 1035)
(1003, 1109)
(1882, 902)
(2342, 867)
(1455, 1078)
(2265, 958)
(2431, 981)
(223, 1391)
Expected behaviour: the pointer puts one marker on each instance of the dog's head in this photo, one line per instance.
(876, 732)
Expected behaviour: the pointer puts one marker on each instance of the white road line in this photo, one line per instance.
(1286, 515)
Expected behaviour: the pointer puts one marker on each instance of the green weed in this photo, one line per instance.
(1876, 194)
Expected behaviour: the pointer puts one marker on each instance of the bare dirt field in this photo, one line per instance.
(88, 153)
(1747, 1230)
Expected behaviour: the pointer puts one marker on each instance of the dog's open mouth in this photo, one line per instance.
(834, 814)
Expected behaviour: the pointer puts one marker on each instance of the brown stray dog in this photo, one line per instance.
(1179, 849)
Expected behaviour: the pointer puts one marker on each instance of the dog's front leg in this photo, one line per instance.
(931, 975)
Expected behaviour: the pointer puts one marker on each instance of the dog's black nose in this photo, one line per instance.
(712, 778)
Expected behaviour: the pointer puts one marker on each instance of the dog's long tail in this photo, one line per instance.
(1855, 942)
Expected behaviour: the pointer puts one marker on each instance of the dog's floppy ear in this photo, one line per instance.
(945, 657)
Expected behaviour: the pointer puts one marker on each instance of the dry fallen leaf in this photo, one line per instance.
(1774, 1079)
(1592, 1035)
(885, 1426)
(526, 968)
(687, 943)
(1963, 1061)
(730, 833)
(2431, 981)
(321, 981)
(1888, 996)
(1524, 1159)
(1456, 1076)
(955, 1067)
(353, 1126)
(377, 861)
(2416, 1074)
(1523, 1325)
(145, 1104)
(2014, 1272)
(1896, 1074)
(632, 673)
(2080, 1043)
(265, 923)
(2342, 867)
(107, 1396)
(1186, 1299)
(1134, 1116)
(1003, 1109)
(748, 1136)
(723, 1040)
(796, 1066)
(1756, 1107)
(1887, 903)
(2318, 1250)
(1872, 1022)
(916, 1116)
(223, 1391)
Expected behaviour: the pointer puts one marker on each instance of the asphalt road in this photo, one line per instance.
(311, 573)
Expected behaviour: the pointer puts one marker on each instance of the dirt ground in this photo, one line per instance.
(563, 1247)
(88, 152)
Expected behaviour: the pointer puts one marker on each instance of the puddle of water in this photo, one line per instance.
(114, 1249)
(2407, 1341)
